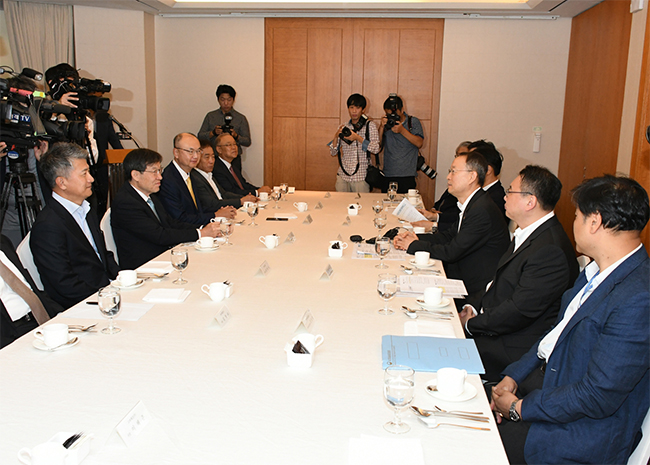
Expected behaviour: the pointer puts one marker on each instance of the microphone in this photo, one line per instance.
(32, 74)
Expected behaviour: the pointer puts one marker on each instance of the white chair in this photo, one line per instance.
(24, 252)
(641, 455)
(105, 226)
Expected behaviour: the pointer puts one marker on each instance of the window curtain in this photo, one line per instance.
(40, 35)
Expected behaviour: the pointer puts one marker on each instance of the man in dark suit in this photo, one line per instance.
(67, 244)
(523, 299)
(228, 175)
(492, 183)
(582, 391)
(177, 189)
(141, 226)
(472, 247)
(16, 316)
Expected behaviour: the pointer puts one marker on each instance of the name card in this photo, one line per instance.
(339, 238)
(347, 221)
(223, 316)
(133, 423)
(308, 220)
(319, 206)
(327, 195)
(264, 269)
(291, 238)
(306, 322)
(358, 196)
(327, 274)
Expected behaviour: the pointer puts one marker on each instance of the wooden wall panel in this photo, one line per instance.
(416, 70)
(288, 152)
(380, 66)
(289, 70)
(324, 56)
(320, 166)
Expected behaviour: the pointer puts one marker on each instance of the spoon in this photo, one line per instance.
(433, 413)
(432, 425)
(414, 316)
(80, 328)
(443, 315)
(462, 412)
(69, 343)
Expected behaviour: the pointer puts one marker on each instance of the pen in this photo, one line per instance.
(277, 219)
(90, 302)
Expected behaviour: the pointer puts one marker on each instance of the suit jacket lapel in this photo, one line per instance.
(543, 227)
(72, 225)
(179, 180)
(98, 236)
(131, 190)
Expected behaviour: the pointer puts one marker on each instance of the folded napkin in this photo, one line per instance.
(289, 216)
(429, 328)
(166, 295)
(369, 450)
(157, 267)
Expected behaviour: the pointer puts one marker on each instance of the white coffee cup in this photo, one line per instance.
(451, 381)
(206, 242)
(310, 341)
(264, 196)
(419, 229)
(271, 241)
(414, 200)
(247, 205)
(422, 258)
(218, 219)
(276, 188)
(216, 291)
(53, 335)
(48, 453)
(353, 209)
(413, 193)
(291, 190)
(301, 206)
(127, 277)
(433, 295)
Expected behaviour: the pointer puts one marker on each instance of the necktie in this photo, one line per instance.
(189, 187)
(25, 293)
(236, 178)
(153, 208)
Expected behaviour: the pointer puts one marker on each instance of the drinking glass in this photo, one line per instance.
(253, 210)
(276, 195)
(399, 389)
(109, 303)
(392, 192)
(284, 188)
(393, 186)
(378, 206)
(382, 247)
(226, 229)
(387, 288)
(380, 222)
(180, 260)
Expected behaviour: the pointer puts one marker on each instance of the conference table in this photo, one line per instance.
(224, 394)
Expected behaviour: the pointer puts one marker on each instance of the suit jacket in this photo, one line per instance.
(448, 208)
(9, 330)
(224, 178)
(209, 200)
(69, 267)
(177, 200)
(498, 195)
(471, 254)
(524, 298)
(104, 135)
(139, 234)
(596, 388)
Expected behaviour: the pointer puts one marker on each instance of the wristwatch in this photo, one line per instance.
(514, 416)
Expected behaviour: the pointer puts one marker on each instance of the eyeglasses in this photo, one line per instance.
(510, 191)
(191, 151)
(227, 145)
(454, 171)
(154, 172)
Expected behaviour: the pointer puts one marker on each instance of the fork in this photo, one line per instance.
(81, 328)
(432, 425)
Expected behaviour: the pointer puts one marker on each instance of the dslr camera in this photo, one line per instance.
(227, 123)
(392, 117)
(346, 132)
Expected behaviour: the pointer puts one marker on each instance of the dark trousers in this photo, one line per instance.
(403, 184)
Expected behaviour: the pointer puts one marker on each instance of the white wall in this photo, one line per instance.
(501, 78)
(5, 51)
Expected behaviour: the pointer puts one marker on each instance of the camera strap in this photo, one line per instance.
(357, 150)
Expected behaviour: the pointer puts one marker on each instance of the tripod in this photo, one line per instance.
(26, 199)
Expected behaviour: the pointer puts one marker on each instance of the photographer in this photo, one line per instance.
(353, 143)
(402, 139)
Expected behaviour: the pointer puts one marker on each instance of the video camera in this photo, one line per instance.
(83, 88)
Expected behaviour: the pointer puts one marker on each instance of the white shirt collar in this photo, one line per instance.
(142, 194)
(72, 207)
(225, 163)
(205, 174)
(485, 188)
(462, 206)
(184, 175)
(522, 234)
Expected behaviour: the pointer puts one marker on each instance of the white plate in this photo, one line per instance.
(443, 303)
(40, 345)
(206, 249)
(429, 265)
(468, 393)
(119, 285)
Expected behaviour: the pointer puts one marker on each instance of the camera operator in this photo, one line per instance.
(353, 143)
(226, 119)
(402, 139)
(62, 80)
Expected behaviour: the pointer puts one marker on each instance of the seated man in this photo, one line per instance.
(494, 160)
(523, 299)
(470, 250)
(212, 196)
(177, 189)
(228, 175)
(22, 306)
(67, 244)
(582, 391)
(141, 226)
(445, 211)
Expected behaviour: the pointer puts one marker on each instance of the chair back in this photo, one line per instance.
(24, 252)
(105, 226)
(641, 455)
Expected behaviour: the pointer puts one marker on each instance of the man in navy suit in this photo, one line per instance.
(581, 393)
(227, 174)
(67, 244)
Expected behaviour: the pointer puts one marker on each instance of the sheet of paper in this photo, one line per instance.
(156, 267)
(416, 284)
(129, 312)
(407, 212)
(363, 250)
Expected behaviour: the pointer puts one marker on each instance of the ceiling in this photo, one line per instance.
(515, 9)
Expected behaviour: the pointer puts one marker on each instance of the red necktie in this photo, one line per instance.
(232, 171)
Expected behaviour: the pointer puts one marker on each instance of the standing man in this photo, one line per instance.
(229, 176)
(523, 299)
(582, 391)
(353, 143)
(402, 138)
(67, 244)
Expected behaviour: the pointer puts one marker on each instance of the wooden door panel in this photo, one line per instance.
(415, 84)
(320, 166)
(324, 52)
(289, 85)
(289, 152)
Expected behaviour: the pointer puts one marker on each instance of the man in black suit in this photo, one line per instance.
(471, 248)
(523, 299)
(228, 175)
(494, 160)
(177, 189)
(67, 244)
(16, 316)
(141, 226)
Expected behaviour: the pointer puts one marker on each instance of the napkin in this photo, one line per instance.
(370, 450)
(289, 216)
(166, 295)
(157, 267)
(128, 311)
(429, 328)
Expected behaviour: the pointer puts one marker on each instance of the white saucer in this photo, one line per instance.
(119, 285)
(429, 265)
(468, 393)
(40, 345)
(206, 249)
(443, 303)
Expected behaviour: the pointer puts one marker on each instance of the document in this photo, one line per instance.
(407, 212)
(415, 285)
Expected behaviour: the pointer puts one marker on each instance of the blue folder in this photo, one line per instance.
(424, 353)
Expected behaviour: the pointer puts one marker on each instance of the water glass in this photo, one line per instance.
(382, 247)
(387, 288)
(252, 210)
(399, 390)
(180, 260)
(109, 302)
(226, 230)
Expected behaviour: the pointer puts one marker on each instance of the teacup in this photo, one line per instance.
(353, 209)
(264, 196)
(301, 206)
(414, 200)
(310, 341)
(433, 295)
(206, 242)
(247, 205)
(127, 277)
(451, 381)
(53, 335)
(291, 190)
(48, 453)
(271, 241)
(337, 252)
(216, 291)
(413, 193)
(218, 219)
(422, 258)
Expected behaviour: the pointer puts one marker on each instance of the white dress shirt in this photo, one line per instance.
(213, 185)
(14, 304)
(79, 213)
(520, 235)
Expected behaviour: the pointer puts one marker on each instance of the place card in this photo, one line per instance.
(358, 196)
(327, 195)
(319, 206)
(308, 220)
(223, 316)
(347, 221)
(291, 238)
(306, 322)
(327, 274)
(133, 424)
(339, 238)
(264, 269)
